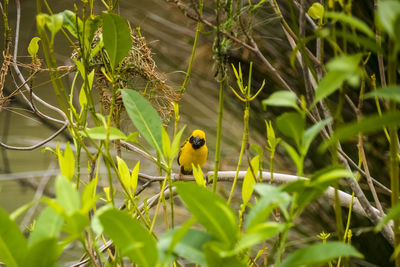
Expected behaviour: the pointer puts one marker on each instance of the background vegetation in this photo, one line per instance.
(318, 80)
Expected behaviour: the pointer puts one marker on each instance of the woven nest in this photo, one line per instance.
(138, 70)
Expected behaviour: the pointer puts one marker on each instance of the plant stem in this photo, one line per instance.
(158, 203)
(222, 86)
(271, 164)
(394, 183)
(394, 153)
(282, 245)
(196, 37)
(171, 198)
(244, 143)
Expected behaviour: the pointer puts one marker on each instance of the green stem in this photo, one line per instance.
(158, 203)
(171, 197)
(196, 37)
(271, 165)
(78, 163)
(85, 56)
(394, 163)
(110, 181)
(338, 214)
(222, 86)
(346, 231)
(241, 212)
(394, 183)
(282, 244)
(244, 143)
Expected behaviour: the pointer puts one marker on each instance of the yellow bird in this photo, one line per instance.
(193, 150)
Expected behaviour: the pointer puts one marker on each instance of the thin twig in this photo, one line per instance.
(21, 77)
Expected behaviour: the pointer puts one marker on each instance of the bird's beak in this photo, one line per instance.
(197, 141)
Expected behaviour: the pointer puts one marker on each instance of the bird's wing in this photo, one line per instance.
(180, 150)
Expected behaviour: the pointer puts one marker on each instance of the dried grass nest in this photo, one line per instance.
(138, 68)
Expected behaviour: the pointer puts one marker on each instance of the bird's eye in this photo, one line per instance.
(191, 139)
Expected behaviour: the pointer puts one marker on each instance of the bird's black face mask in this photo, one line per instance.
(197, 142)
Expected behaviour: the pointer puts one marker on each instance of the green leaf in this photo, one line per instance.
(311, 133)
(292, 124)
(91, 26)
(68, 168)
(319, 254)
(117, 38)
(130, 237)
(82, 93)
(54, 23)
(43, 253)
(89, 197)
(387, 14)
(249, 179)
(69, 22)
(166, 143)
(329, 84)
(13, 247)
(96, 224)
(352, 21)
(21, 210)
(340, 68)
(392, 214)
(98, 47)
(198, 175)
(256, 148)
(258, 234)
(144, 117)
(168, 241)
(328, 175)
(189, 247)
(272, 197)
(133, 137)
(271, 138)
(213, 251)
(305, 193)
(33, 47)
(176, 143)
(41, 21)
(135, 177)
(293, 155)
(316, 11)
(100, 133)
(345, 63)
(359, 40)
(281, 99)
(180, 233)
(75, 224)
(47, 226)
(67, 196)
(365, 126)
(124, 173)
(52, 203)
(389, 93)
(80, 67)
(210, 210)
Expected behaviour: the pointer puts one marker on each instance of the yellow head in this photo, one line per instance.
(197, 139)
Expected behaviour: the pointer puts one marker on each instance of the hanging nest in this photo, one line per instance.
(137, 71)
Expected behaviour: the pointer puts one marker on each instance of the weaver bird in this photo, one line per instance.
(193, 150)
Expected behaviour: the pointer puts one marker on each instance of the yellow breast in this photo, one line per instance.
(190, 155)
